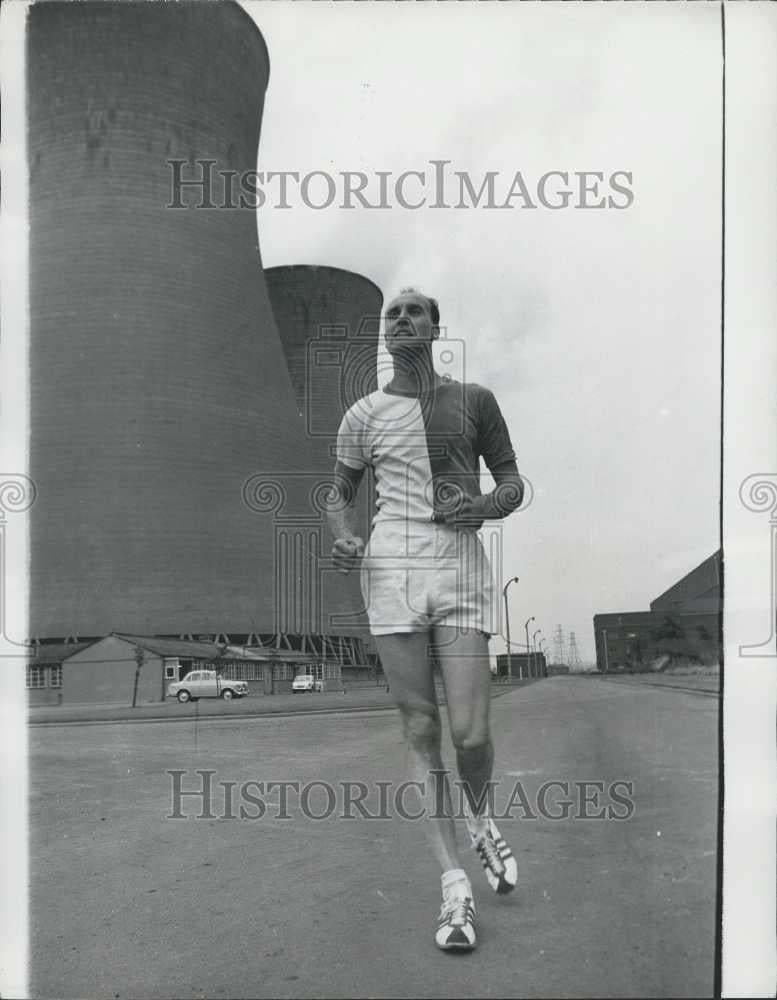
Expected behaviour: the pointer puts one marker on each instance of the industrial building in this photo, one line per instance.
(180, 486)
(682, 625)
(521, 665)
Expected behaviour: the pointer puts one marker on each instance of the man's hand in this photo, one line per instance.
(346, 551)
(467, 513)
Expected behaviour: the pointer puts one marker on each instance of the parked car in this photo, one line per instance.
(306, 682)
(206, 684)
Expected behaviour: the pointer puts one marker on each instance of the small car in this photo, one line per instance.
(206, 684)
(306, 682)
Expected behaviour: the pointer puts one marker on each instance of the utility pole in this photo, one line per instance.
(513, 579)
(528, 648)
(534, 646)
(139, 659)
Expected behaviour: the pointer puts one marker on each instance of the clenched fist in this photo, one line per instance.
(346, 551)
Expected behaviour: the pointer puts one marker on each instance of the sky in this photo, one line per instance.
(598, 330)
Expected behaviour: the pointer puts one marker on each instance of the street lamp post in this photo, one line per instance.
(542, 655)
(534, 644)
(513, 579)
(528, 653)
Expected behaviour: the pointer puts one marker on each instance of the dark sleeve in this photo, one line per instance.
(493, 437)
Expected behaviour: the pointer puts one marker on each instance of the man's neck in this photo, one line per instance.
(414, 378)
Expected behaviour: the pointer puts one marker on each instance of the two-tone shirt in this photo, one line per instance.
(425, 449)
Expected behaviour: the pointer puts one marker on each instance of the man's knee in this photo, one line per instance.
(471, 737)
(422, 728)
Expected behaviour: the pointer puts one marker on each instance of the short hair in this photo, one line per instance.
(434, 308)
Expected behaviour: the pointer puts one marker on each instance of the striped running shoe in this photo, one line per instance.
(500, 866)
(456, 927)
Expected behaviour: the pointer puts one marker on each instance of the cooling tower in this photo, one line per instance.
(158, 381)
(329, 324)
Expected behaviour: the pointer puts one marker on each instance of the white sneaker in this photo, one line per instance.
(498, 862)
(456, 926)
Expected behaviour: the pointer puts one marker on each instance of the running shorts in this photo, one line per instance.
(417, 574)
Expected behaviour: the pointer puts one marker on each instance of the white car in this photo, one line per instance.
(206, 684)
(306, 682)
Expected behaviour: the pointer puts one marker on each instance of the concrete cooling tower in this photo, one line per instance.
(329, 323)
(159, 386)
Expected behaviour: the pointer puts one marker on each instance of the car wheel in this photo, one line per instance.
(183, 696)
(227, 694)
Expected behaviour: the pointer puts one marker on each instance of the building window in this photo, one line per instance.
(331, 672)
(172, 668)
(243, 671)
(36, 677)
(55, 676)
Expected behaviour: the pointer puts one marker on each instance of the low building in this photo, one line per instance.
(44, 669)
(521, 665)
(126, 669)
(682, 625)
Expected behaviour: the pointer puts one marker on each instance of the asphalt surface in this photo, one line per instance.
(355, 697)
(701, 683)
(126, 902)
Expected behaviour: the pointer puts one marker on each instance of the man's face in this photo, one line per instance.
(408, 322)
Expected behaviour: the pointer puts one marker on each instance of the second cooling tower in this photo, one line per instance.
(329, 324)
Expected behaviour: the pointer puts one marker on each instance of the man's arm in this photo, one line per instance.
(498, 454)
(470, 512)
(505, 497)
(341, 516)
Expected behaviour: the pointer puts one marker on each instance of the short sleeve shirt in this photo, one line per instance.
(424, 448)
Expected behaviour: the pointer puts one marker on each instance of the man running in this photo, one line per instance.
(426, 580)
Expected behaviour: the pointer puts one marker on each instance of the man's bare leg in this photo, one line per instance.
(464, 664)
(408, 668)
(463, 659)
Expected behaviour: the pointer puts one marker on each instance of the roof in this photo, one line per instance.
(54, 652)
(172, 647)
(627, 619)
(268, 653)
(211, 651)
(700, 580)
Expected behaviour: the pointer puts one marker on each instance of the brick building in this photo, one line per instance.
(683, 624)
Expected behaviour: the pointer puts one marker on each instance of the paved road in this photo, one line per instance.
(356, 696)
(128, 903)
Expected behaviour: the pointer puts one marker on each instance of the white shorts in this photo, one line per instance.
(417, 574)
